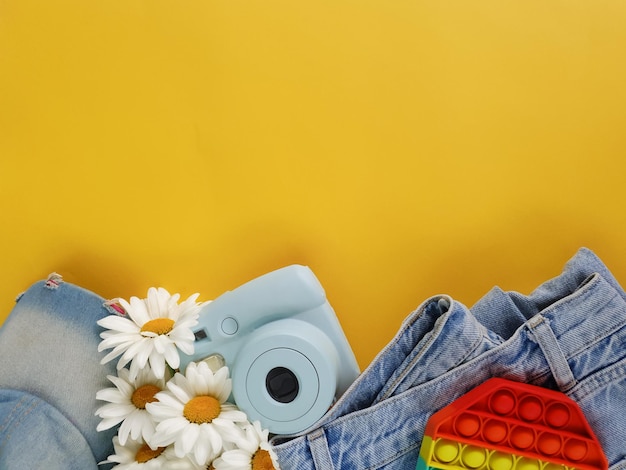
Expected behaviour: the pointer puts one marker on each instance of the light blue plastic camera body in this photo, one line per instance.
(288, 357)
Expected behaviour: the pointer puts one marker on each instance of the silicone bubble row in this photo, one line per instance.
(530, 408)
(450, 454)
(519, 437)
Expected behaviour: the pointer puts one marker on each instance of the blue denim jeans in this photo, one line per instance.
(49, 374)
(569, 335)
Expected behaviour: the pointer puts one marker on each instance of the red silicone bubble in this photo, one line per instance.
(549, 443)
(522, 437)
(576, 449)
(558, 415)
(467, 424)
(502, 402)
(495, 431)
(530, 408)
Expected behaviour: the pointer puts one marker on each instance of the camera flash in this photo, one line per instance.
(215, 362)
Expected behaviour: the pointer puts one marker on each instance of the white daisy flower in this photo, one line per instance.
(156, 328)
(127, 404)
(193, 413)
(253, 451)
(137, 455)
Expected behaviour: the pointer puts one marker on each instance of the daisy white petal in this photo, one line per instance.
(115, 410)
(201, 414)
(116, 323)
(107, 423)
(171, 356)
(157, 363)
(166, 400)
(112, 395)
(137, 310)
(253, 452)
(137, 455)
(179, 392)
(127, 402)
(189, 436)
(158, 323)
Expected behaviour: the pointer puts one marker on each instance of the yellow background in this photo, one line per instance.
(399, 148)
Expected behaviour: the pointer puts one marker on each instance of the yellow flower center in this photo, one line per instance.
(144, 394)
(202, 409)
(145, 453)
(160, 326)
(261, 460)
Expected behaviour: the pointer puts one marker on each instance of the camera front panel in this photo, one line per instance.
(286, 376)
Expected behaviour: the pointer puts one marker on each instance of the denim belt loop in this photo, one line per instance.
(319, 450)
(540, 329)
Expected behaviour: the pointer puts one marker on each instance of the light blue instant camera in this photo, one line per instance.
(287, 354)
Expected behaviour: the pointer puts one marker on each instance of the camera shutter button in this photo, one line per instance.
(229, 326)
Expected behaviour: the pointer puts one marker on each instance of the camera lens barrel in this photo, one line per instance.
(286, 375)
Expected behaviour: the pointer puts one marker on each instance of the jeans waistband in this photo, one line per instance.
(445, 349)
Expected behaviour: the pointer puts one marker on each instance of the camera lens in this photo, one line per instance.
(282, 385)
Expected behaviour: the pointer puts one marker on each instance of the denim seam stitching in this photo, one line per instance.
(564, 304)
(591, 384)
(409, 367)
(458, 364)
(599, 336)
(13, 412)
(395, 456)
(420, 354)
(584, 291)
(21, 417)
(548, 343)
(407, 325)
(320, 451)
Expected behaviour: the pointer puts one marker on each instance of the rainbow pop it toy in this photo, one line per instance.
(506, 425)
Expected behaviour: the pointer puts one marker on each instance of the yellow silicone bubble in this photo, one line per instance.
(554, 466)
(500, 461)
(528, 464)
(473, 457)
(446, 451)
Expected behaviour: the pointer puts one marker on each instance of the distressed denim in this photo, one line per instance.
(50, 372)
(568, 335)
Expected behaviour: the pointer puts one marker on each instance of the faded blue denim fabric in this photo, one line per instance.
(49, 374)
(568, 335)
